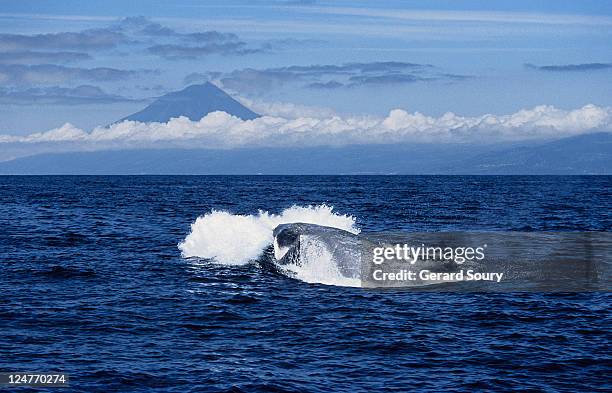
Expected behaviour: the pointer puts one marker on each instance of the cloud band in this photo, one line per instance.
(221, 130)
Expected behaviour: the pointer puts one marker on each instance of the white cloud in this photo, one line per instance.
(65, 133)
(285, 109)
(466, 16)
(220, 130)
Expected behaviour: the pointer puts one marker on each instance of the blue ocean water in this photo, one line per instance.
(94, 285)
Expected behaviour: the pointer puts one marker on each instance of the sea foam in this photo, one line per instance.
(238, 239)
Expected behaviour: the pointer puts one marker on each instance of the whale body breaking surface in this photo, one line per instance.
(316, 245)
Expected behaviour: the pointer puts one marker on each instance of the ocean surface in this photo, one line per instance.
(106, 279)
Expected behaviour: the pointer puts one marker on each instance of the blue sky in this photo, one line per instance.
(86, 64)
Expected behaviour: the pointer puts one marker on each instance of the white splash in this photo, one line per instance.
(237, 239)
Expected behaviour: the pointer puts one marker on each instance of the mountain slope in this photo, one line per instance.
(585, 154)
(194, 102)
(582, 154)
(370, 159)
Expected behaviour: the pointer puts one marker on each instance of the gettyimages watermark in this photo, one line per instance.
(423, 254)
(488, 261)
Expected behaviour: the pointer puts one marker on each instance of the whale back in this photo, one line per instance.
(302, 246)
